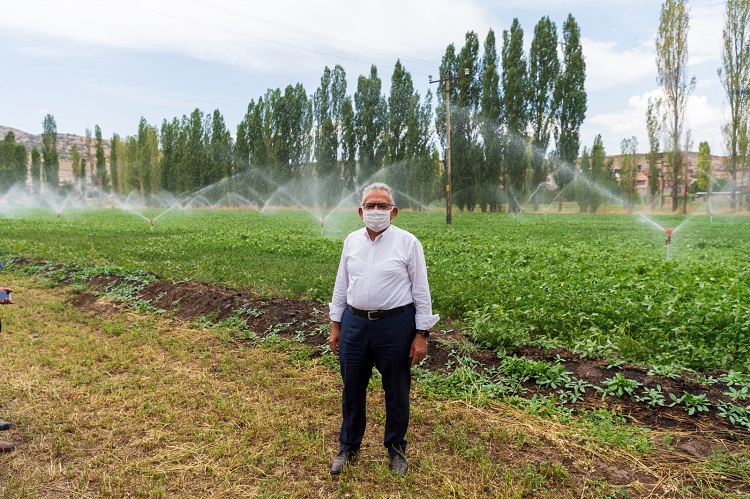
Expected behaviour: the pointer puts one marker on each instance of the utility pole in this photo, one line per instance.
(448, 194)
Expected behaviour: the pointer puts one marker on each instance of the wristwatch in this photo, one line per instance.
(424, 333)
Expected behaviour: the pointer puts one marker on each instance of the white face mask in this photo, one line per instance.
(376, 220)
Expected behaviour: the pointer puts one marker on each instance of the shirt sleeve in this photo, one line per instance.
(338, 301)
(424, 319)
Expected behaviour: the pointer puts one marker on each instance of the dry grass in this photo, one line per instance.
(123, 404)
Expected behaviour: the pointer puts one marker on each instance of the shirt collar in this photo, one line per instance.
(379, 236)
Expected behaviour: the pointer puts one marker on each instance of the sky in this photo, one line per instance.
(111, 62)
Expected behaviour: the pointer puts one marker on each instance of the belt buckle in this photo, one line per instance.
(370, 316)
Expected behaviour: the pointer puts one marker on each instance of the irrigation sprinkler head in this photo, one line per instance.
(151, 221)
(669, 235)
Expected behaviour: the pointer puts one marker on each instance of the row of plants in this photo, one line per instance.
(509, 379)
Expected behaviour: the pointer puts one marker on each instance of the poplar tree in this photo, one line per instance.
(370, 124)
(703, 170)
(490, 118)
(327, 104)
(220, 154)
(672, 65)
(399, 107)
(422, 167)
(13, 162)
(144, 166)
(21, 165)
(172, 168)
(102, 178)
(629, 172)
(735, 78)
(570, 99)
(299, 124)
(114, 162)
(601, 169)
(466, 153)
(399, 104)
(241, 148)
(290, 126)
(515, 101)
(78, 173)
(195, 158)
(88, 158)
(583, 192)
(653, 131)
(544, 68)
(35, 170)
(326, 137)
(257, 149)
(50, 157)
(348, 145)
(7, 148)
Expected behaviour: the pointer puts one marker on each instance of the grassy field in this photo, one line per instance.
(122, 402)
(600, 285)
(113, 402)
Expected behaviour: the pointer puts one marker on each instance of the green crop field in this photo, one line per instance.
(600, 285)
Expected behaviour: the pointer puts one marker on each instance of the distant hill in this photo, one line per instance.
(64, 142)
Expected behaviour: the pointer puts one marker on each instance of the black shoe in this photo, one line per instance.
(4, 425)
(344, 458)
(399, 465)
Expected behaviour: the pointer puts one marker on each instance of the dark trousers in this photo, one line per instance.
(385, 344)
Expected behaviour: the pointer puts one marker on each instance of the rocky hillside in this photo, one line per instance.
(64, 142)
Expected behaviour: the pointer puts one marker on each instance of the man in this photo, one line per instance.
(381, 314)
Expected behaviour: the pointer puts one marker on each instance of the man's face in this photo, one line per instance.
(378, 196)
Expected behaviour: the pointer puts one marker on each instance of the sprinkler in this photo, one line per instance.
(151, 221)
(58, 214)
(669, 240)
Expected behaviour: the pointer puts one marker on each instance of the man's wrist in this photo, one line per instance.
(423, 332)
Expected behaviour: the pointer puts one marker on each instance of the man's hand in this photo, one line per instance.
(418, 349)
(335, 338)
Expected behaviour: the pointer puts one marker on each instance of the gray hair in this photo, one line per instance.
(377, 186)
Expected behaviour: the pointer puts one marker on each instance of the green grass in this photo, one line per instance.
(600, 285)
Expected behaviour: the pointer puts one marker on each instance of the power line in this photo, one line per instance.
(315, 35)
(240, 33)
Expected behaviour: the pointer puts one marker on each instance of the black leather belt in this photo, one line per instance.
(374, 315)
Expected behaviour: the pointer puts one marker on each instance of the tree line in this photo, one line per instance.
(504, 115)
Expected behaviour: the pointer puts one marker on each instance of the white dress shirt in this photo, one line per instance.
(386, 273)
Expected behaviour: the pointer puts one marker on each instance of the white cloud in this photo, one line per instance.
(609, 65)
(236, 33)
(703, 119)
(706, 24)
